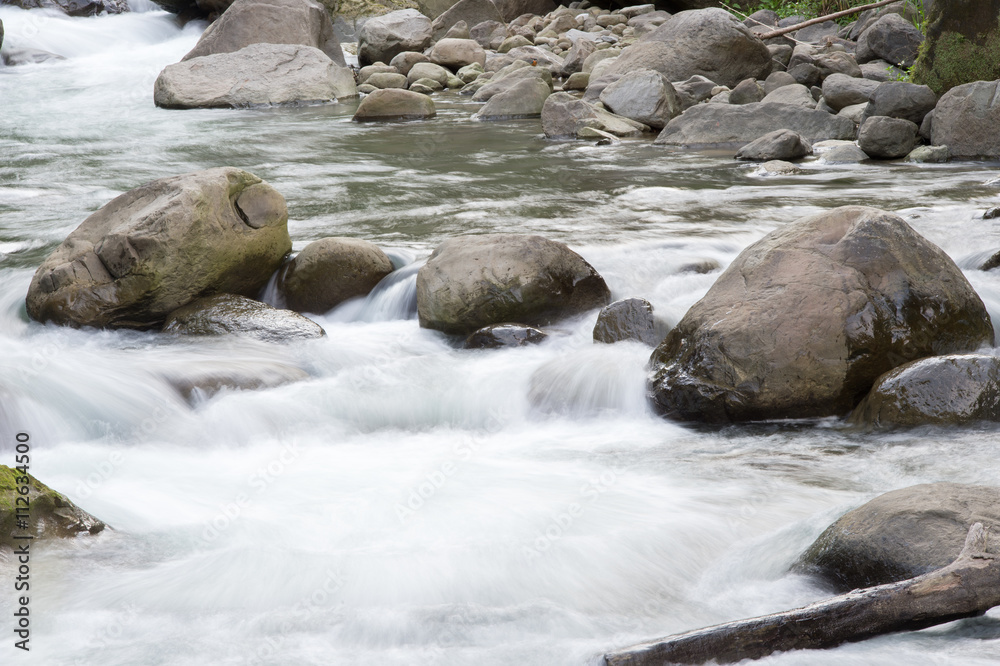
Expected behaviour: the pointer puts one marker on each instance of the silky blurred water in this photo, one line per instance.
(412, 502)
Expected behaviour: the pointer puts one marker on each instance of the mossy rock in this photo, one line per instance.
(962, 44)
(51, 514)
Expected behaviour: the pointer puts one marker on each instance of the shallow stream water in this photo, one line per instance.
(412, 502)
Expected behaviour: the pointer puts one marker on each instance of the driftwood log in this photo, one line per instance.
(967, 587)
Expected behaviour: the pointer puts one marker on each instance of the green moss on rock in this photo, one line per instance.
(51, 513)
(957, 50)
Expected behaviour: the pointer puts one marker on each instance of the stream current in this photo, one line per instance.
(412, 502)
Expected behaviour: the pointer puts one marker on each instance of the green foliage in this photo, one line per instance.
(808, 8)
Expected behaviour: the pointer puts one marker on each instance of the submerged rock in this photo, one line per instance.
(330, 271)
(630, 319)
(51, 513)
(211, 377)
(804, 321)
(941, 390)
(499, 336)
(901, 535)
(474, 281)
(260, 74)
(227, 314)
(293, 22)
(162, 245)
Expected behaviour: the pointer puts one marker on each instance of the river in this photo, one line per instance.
(412, 502)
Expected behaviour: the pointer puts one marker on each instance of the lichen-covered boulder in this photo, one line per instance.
(474, 281)
(51, 513)
(329, 271)
(709, 42)
(940, 390)
(966, 119)
(246, 22)
(501, 336)
(963, 45)
(258, 75)
(901, 534)
(805, 320)
(162, 245)
(228, 314)
(383, 37)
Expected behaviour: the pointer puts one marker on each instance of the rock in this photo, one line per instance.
(891, 38)
(378, 68)
(260, 74)
(383, 37)
(777, 145)
(577, 56)
(966, 119)
(227, 314)
(125, 266)
(394, 104)
(489, 34)
(246, 22)
(887, 138)
(428, 70)
(708, 42)
(848, 154)
(805, 320)
(733, 125)
(566, 117)
(513, 42)
(1, 34)
(776, 80)
(781, 54)
(511, 9)
(898, 99)
(941, 390)
(404, 62)
(75, 7)
(747, 92)
(506, 79)
(382, 80)
(793, 95)
(473, 12)
(329, 271)
(593, 59)
(779, 168)
(52, 514)
(764, 17)
(524, 99)
(837, 62)
(963, 45)
(499, 336)
(426, 87)
(458, 31)
(817, 32)
(806, 74)
(645, 96)
(854, 112)
(693, 90)
(211, 377)
(578, 81)
(900, 535)
(840, 90)
(16, 57)
(537, 57)
(475, 281)
(469, 73)
(880, 70)
(630, 319)
(929, 154)
(457, 53)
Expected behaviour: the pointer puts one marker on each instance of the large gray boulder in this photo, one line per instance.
(891, 38)
(474, 281)
(778, 145)
(900, 99)
(645, 96)
(329, 271)
(258, 75)
(966, 119)
(805, 320)
(457, 53)
(394, 104)
(707, 42)
(840, 90)
(383, 37)
(509, 77)
(630, 319)
(734, 125)
(887, 138)
(228, 314)
(940, 390)
(246, 22)
(162, 245)
(473, 12)
(901, 534)
(567, 117)
(524, 99)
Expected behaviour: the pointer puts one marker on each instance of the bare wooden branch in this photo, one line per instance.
(967, 587)
(822, 19)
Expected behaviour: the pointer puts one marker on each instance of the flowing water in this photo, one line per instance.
(412, 502)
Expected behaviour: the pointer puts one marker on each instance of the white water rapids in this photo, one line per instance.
(413, 503)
